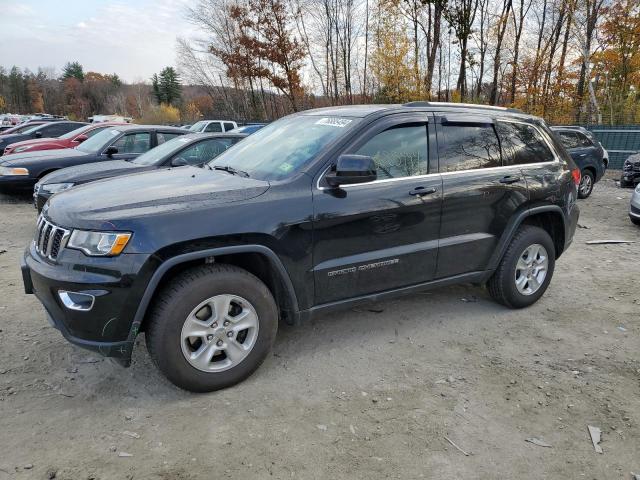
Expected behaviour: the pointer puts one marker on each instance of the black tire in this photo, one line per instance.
(176, 301)
(502, 285)
(635, 221)
(585, 189)
(625, 184)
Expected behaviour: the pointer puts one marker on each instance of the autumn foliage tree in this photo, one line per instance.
(263, 47)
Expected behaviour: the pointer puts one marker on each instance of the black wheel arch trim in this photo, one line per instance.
(510, 231)
(164, 267)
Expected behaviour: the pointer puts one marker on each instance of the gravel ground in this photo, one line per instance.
(377, 392)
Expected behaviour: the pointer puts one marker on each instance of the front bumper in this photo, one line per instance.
(16, 181)
(116, 285)
(629, 178)
(634, 207)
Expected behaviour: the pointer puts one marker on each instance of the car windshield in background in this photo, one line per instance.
(196, 127)
(155, 155)
(75, 132)
(33, 129)
(284, 147)
(98, 141)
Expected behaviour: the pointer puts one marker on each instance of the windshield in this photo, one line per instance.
(98, 141)
(22, 128)
(284, 147)
(75, 132)
(156, 155)
(196, 127)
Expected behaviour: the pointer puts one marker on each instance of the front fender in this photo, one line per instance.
(166, 265)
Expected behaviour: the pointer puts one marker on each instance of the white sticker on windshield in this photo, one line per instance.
(334, 122)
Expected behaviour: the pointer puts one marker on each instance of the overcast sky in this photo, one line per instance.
(133, 38)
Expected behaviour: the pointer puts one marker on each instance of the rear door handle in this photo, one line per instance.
(422, 191)
(510, 179)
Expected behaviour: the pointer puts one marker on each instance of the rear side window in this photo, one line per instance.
(468, 147)
(400, 151)
(523, 144)
(213, 127)
(134, 143)
(569, 139)
(583, 140)
(228, 126)
(166, 136)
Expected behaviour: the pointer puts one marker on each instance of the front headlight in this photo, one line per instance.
(55, 187)
(638, 188)
(101, 244)
(9, 171)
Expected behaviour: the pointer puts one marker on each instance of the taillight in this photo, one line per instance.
(575, 173)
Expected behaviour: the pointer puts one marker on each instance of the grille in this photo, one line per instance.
(635, 210)
(636, 167)
(49, 238)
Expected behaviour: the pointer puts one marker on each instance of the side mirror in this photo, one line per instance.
(81, 138)
(38, 134)
(178, 162)
(111, 151)
(350, 169)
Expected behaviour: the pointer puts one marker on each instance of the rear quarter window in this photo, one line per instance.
(523, 144)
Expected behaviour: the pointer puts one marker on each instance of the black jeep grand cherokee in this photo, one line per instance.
(320, 210)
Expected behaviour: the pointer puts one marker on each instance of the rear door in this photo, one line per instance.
(380, 235)
(481, 193)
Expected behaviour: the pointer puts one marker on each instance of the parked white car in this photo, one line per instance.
(213, 126)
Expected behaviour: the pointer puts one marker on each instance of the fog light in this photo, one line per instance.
(77, 301)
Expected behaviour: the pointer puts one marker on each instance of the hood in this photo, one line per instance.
(41, 141)
(26, 158)
(90, 172)
(9, 138)
(122, 200)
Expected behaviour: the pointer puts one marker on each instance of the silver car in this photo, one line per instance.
(634, 208)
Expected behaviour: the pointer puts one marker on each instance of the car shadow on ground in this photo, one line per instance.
(384, 322)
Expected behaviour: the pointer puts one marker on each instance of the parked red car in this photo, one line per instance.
(68, 140)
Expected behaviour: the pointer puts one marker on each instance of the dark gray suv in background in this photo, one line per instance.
(320, 210)
(588, 154)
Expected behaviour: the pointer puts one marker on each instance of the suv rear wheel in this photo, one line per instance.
(586, 184)
(211, 327)
(525, 270)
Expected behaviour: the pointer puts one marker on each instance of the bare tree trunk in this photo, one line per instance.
(518, 26)
(502, 28)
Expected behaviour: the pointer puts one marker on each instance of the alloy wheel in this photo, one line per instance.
(585, 184)
(531, 269)
(219, 333)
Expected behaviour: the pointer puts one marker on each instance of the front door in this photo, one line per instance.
(384, 234)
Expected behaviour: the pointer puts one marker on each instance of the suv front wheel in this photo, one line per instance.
(525, 270)
(211, 327)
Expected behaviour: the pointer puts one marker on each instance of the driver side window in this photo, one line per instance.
(400, 151)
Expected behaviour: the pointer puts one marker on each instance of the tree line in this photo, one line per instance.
(575, 61)
(78, 95)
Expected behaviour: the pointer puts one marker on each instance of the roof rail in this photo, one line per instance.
(453, 104)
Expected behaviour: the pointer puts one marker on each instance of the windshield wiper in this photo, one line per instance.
(231, 170)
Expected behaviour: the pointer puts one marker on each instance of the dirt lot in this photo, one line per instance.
(368, 393)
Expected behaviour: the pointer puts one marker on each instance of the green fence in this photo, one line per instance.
(620, 141)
